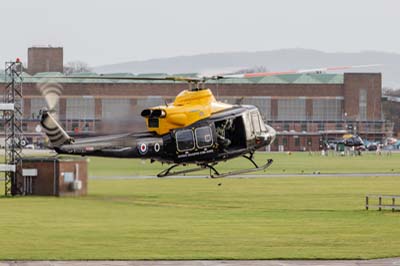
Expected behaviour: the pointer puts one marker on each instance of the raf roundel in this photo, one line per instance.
(143, 148)
(156, 147)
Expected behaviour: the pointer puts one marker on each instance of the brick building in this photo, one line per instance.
(305, 109)
(45, 59)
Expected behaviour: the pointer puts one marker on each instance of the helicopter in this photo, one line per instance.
(348, 140)
(194, 129)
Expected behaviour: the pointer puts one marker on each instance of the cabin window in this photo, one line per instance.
(184, 140)
(256, 123)
(204, 137)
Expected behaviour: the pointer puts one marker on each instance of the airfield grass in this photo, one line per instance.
(256, 218)
(295, 163)
(233, 218)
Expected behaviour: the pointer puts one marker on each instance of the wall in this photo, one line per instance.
(45, 59)
(50, 179)
(353, 83)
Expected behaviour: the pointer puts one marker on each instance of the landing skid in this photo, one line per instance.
(243, 171)
(167, 172)
(214, 172)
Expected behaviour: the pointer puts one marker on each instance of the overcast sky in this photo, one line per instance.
(105, 32)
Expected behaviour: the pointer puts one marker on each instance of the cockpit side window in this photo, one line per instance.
(184, 140)
(250, 122)
(256, 122)
(203, 137)
(263, 128)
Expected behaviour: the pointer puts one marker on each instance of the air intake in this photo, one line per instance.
(146, 113)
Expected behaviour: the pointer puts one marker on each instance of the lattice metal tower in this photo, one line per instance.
(13, 126)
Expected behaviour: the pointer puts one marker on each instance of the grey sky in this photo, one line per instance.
(104, 32)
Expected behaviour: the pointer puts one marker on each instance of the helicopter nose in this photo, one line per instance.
(271, 133)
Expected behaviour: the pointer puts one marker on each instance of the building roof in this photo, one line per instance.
(280, 79)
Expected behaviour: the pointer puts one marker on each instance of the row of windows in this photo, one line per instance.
(368, 127)
(285, 141)
(294, 109)
(84, 108)
(287, 109)
(327, 109)
(263, 103)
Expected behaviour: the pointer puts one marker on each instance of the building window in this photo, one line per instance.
(303, 127)
(367, 127)
(321, 127)
(297, 142)
(37, 105)
(292, 109)
(286, 127)
(80, 108)
(284, 142)
(327, 109)
(230, 100)
(339, 126)
(276, 143)
(350, 127)
(363, 104)
(116, 108)
(309, 141)
(147, 102)
(262, 103)
(75, 126)
(86, 127)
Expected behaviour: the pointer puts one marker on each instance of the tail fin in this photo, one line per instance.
(54, 131)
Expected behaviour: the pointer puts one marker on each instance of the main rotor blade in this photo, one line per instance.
(300, 71)
(205, 78)
(105, 77)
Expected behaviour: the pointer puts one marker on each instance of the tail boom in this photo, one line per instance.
(54, 131)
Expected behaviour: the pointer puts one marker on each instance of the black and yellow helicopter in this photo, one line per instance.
(194, 129)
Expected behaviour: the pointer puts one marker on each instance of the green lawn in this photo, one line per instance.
(297, 217)
(295, 163)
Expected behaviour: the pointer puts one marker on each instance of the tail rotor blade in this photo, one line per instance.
(51, 93)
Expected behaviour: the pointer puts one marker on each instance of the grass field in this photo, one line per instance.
(256, 218)
(296, 163)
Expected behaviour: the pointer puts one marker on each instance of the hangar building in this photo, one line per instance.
(305, 109)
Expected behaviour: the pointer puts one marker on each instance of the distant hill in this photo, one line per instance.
(285, 59)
